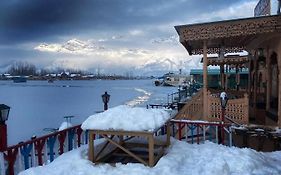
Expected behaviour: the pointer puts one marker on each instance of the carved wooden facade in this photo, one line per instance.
(251, 35)
(229, 60)
(234, 35)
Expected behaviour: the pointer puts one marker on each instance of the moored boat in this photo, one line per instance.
(20, 79)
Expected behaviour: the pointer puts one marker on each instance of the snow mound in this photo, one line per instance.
(64, 125)
(127, 118)
(181, 159)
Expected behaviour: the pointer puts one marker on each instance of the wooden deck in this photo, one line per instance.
(127, 149)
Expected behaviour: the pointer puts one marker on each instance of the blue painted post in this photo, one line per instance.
(25, 151)
(86, 136)
(192, 132)
(51, 144)
(70, 139)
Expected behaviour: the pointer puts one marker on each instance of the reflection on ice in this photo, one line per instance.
(140, 99)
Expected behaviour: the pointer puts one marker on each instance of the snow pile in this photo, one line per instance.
(181, 158)
(127, 118)
(64, 125)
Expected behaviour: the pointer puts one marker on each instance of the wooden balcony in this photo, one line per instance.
(237, 108)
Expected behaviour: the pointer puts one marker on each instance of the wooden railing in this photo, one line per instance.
(200, 131)
(41, 150)
(193, 109)
(237, 108)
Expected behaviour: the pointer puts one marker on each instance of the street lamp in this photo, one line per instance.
(4, 114)
(224, 99)
(105, 99)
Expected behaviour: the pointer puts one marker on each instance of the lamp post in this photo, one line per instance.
(4, 114)
(223, 99)
(105, 99)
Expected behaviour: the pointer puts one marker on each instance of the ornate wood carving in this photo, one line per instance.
(232, 34)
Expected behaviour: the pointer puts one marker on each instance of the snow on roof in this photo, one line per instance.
(127, 118)
(181, 159)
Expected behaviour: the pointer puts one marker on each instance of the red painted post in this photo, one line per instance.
(11, 158)
(79, 132)
(39, 145)
(198, 133)
(222, 134)
(222, 126)
(61, 138)
(179, 131)
(3, 137)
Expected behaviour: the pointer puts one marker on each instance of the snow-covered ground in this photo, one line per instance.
(127, 118)
(181, 158)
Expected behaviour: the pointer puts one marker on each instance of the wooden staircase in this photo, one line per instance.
(193, 109)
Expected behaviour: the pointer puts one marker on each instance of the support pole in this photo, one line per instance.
(3, 137)
(268, 80)
(91, 147)
(222, 76)
(279, 78)
(205, 81)
(151, 150)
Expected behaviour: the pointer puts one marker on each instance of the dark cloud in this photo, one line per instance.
(116, 26)
(29, 20)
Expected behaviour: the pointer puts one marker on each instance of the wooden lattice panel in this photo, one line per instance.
(237, 109)
(238, 60)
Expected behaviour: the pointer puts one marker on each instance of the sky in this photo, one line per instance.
(109, 36)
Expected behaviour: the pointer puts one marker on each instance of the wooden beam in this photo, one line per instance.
(168, 142)
(91, 153)
(268, 79)
(279, 82)
(205, 80)
(102, 149)
(126, 133)
(151, 151)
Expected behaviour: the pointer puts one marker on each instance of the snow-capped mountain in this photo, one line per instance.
(162, 66)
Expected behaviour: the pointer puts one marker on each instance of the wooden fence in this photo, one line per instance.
(41, 150)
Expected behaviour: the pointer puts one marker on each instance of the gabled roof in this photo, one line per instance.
(233, 35)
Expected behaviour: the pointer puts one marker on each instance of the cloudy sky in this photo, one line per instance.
(114, 36)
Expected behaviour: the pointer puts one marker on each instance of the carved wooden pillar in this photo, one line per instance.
(249, 78)
(226, 77)
(255, 78)
(279, 84)
(268, 79)
(237, 77)
(205, 81)
(222, 76)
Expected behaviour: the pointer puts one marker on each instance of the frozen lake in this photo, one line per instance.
(36, 105)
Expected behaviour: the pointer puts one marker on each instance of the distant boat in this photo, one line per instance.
(158, 82)
(19, 79)
(50, 81)
(172, 79)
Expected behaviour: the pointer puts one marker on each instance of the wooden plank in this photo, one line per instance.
(168, 134)
(106, 157)
(124, 133)
(103, 148)
(125, 150)
(143, 156)
(160, 154)
(141, 145)
(91, 153)
(151, 150)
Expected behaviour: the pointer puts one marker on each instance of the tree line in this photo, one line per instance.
(27, 69)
